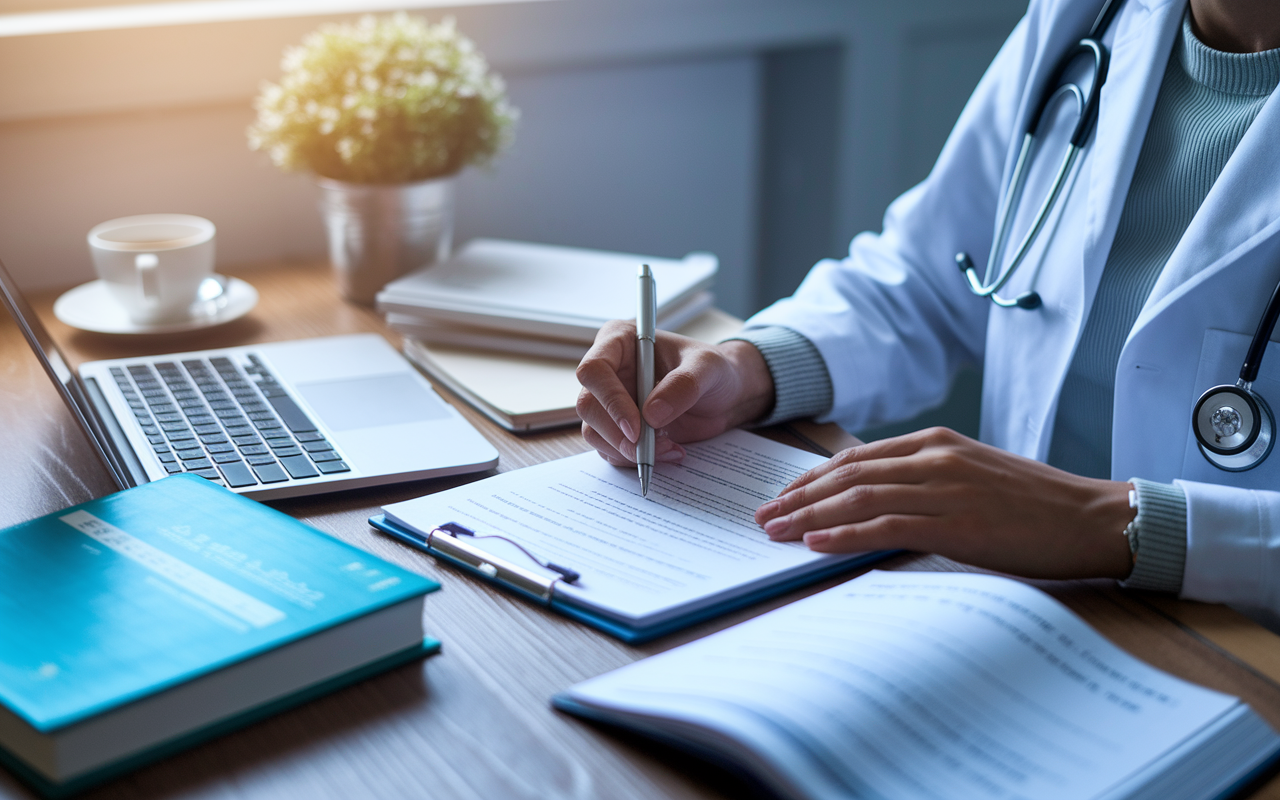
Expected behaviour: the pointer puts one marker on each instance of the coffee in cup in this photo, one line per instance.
(154, 263)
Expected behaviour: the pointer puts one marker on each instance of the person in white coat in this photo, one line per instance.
(1151, 274)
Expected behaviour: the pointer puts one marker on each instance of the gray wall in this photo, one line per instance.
(766, 131)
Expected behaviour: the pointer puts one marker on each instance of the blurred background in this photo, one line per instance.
(768, 132)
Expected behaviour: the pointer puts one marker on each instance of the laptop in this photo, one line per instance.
(267, 421)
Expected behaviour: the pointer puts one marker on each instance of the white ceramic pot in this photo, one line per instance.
(379, 232)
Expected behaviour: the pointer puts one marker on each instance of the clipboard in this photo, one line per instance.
(441, 543)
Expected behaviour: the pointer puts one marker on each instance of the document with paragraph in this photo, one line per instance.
(929, 685)
(694, 540)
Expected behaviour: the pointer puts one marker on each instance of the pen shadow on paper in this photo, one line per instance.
(319, 730)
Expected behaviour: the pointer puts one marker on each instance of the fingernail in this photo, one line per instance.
(627, 430)
(673, 455)
(777, 527)
(816, 537)
(769, 509)
(659, 413)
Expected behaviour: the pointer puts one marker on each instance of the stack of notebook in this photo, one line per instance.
(536, 299)
(503, 324)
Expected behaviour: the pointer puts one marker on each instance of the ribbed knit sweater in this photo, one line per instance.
(1207, 101)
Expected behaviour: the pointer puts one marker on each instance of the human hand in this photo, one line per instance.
(700, 390)
(937, 491)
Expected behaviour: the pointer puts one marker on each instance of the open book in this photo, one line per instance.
(927, 685)
(646, 566)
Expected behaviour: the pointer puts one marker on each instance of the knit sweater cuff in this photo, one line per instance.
(1162, 537)
(801, 383)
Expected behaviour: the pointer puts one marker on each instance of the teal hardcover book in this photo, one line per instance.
(148, 620)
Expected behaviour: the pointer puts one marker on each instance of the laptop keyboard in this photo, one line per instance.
(226, 423)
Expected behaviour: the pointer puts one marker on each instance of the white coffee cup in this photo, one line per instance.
(154, 263)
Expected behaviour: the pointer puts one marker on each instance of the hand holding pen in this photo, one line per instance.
(700, 390)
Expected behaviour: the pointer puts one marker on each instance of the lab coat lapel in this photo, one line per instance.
(1219, 277)
(1140, 52)
(1241, 203)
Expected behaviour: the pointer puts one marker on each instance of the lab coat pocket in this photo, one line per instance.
(1221, 357)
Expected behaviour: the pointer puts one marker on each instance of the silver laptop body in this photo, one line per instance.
(267, 421)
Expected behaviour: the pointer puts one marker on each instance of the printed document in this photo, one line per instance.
(930, 685)
(693, 540)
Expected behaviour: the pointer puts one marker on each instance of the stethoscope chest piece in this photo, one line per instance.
(1234, 427)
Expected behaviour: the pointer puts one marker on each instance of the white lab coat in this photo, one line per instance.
(895, 320)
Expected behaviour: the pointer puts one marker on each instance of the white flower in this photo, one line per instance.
(365, 84)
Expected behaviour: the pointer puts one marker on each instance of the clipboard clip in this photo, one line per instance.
(447, 540)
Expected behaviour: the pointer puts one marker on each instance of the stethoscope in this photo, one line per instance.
(1233, 425)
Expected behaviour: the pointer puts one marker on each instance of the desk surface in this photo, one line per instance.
(474, 722)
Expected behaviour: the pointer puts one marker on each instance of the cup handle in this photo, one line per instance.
(148, 275)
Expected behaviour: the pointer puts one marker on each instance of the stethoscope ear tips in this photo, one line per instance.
(1029, 300)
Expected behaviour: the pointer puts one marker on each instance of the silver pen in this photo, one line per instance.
(646, 326)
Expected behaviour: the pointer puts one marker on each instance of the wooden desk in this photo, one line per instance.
(474, 722)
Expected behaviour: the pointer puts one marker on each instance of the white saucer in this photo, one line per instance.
(90, 307)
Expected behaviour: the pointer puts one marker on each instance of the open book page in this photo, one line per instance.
(916, 685)
(694, 537)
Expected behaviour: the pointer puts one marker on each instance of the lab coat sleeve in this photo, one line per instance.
(894, 320)
(1233, 548)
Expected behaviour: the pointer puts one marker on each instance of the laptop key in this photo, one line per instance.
(316, 447)
(167, 458)
(225, 458)
(244, 440)
(299, 466)
(325, 455)
(258, 461)
(311, 436)
(270, 473)
(155, 438)
(205, 430)
(197, 464)
(188, 453)
(213, 438)
(292, 414)
(171, 468)
(209, 474)
(221, 447)
(287, 451)
(330, 467)
(253, 449)
(237, 474)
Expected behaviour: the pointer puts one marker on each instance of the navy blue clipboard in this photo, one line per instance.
(629, 633)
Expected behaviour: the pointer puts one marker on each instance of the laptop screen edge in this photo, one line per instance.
(64, 379)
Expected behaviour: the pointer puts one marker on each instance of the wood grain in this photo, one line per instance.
(473, 722)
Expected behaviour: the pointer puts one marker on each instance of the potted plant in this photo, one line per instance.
(385, 113)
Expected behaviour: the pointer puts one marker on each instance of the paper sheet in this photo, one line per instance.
(694, 537)
(921, 685)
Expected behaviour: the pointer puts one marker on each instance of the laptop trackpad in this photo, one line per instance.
(351, 404)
